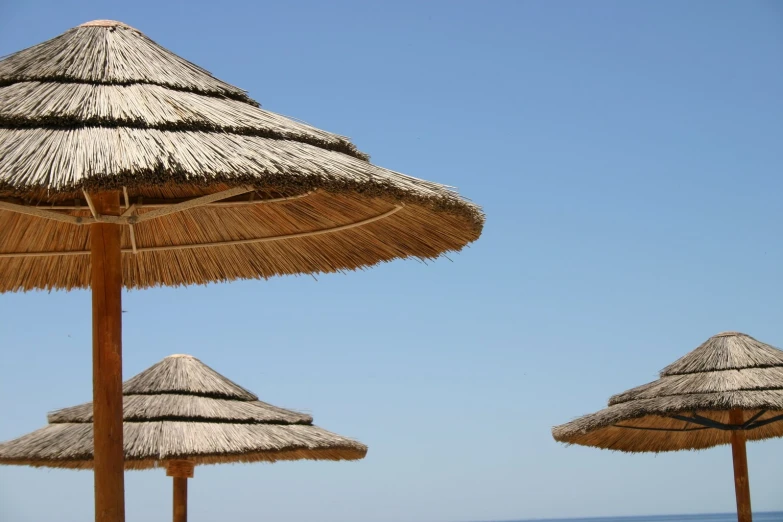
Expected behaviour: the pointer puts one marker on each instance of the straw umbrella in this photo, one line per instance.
(180, 413)
(124, 165)
(726, 391)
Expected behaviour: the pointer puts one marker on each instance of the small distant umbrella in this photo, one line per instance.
(726, 391)
(178, 414)
(125, 165)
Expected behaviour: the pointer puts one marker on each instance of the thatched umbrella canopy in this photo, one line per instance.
(104, 108)
(726, 391)
(177, 414)
(124, 165)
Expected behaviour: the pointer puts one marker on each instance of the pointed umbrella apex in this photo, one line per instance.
(730, 334)
(105, 23)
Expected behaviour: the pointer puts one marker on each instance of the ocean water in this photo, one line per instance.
(774, 516)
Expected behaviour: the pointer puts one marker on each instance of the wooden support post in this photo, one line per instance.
(180, 499)
(740, 457)
(181, 470)
(106, 285)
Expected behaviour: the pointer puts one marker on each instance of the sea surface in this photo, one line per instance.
(773, 516)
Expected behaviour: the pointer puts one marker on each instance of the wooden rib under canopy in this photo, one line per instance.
(726, 391)
(125, 165)
(132, 216)
(180, 413)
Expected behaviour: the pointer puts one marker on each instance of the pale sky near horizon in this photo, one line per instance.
(628, 156)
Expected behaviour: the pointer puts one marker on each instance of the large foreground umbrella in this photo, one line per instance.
(122, 164)
(177, 414)
(726, 391)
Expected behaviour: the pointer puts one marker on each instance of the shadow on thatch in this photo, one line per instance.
(181, 409)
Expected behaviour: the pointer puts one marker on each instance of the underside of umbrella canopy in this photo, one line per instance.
(182, 410)
(214, 188)
(690, 406)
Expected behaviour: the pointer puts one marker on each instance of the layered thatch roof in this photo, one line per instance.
(180, 409)
(102, 107)
(688, 407)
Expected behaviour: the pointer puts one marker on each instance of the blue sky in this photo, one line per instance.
(628, 156)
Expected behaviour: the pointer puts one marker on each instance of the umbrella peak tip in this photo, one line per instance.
(105, 23)
(730, 334)
(180, 355)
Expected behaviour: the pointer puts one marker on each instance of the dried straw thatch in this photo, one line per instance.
(180, 409)
(102, 107)
(689, 406)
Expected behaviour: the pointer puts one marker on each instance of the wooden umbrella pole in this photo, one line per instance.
(740, 457)
(106, 285)
(180, 499)
(181, 470)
